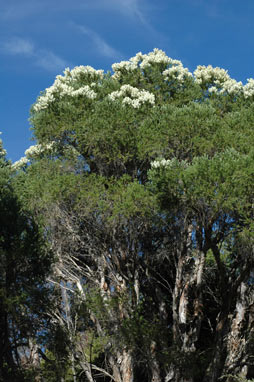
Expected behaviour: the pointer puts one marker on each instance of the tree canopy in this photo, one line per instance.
(141, 186)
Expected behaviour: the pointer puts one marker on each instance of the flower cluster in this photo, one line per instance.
(62, 89)
(174, 162)
(82, 72)
(159, 57)
(143, 61)
(21, 163)
(132, 96)
(248, 89)
(32, 152)
(217, 80)
(208, 74)
(68, 85)
(44, 100)
(2, 150)
(213, 90)
(36, 150)
(161, 163)
(177, 72)
(127, 66)
(231, 86)
(84, 80)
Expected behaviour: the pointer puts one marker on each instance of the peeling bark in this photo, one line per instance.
(242, 326)
(127, 366)
(114, 363)
(155, 367)
(236, 341)
(187, 305)
(122, 366)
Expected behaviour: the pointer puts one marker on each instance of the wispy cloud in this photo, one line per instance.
(210, 9)
(131, 8)
(50, 61)
(18, 45)
(40, 57)
(102, 47)
(18, 11)
(139, 11)
(28, 8)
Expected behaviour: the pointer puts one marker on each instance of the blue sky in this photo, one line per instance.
(39, 38)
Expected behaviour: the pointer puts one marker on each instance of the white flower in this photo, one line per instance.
(32, 150)
(2, 151)
(84, 91)
(217, 80)
(143, 61)
(206, 74)
(248, 89)
(123, 65)
(22, 162)
(69, 85)
(44, 100)
(137, 59)
(127, 66)
(168, 163)
(82, 71)
(132, 96)
(231, 86)
(177, 72)
(213, 89)
(161, 163)
(157, 56)
(35, 150)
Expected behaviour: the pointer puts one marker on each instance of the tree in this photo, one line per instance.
(142, 183)
(23, 296)
(213, 195)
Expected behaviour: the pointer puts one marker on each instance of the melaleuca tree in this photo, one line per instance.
(23, 296)
(214, 196)
(141, 181)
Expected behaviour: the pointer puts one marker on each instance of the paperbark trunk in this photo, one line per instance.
(238, 355)
(187, 309)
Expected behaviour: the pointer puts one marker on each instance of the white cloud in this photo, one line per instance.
(132, 8)
(18, 45)
(20, 11)
(50, 61)
(40, 57)
(138, 11)
(28, 8)
(101, 45)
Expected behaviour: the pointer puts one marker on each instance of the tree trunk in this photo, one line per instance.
(154, 365)
(237, 361)
(127, 366)
(187, 309)
(122, 366)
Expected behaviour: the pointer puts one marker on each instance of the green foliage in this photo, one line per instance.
(53, 369)
(138, 176)
(24, 264)
(95, 345)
